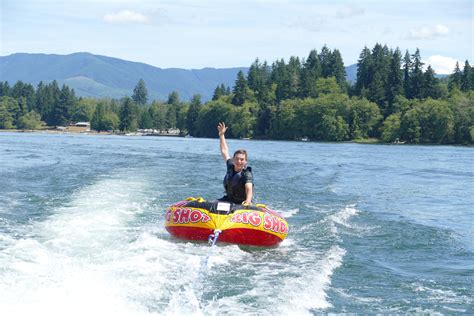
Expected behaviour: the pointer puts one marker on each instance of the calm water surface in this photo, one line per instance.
(373, 228)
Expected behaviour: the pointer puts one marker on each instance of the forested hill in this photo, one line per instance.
(101, 76)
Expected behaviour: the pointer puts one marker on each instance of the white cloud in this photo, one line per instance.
(441, 64)
(349, 11)
(314, 24)
(428, 32)
(125, 16)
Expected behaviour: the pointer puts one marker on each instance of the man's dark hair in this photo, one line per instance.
(241, 151)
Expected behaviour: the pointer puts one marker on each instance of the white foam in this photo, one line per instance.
(289, 213)
(72, 263)
(342, 217)
(439, 295)
(284, 289)
(365, 300)
(184, 302)
(308, 292)
(95, 217)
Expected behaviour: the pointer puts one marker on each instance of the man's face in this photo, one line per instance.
(239, 162)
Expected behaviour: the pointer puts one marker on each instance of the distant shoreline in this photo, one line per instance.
(368, 141)
(92, 132)
(52, 131)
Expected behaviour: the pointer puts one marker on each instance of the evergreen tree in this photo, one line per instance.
(41, 99)
(364, 74)
(51, 103)
(26, 91)
(455, 78)
(416, 76)
(430, 84)
(466, 78)
(258, 80)
(264, 93)
(140, 93)
(171, 118)
(293, 77)
(240, 90)
(173, 98)
(472, 77)
(376, 91)
(4, 89)
(219, 92)
(64, 100)
(192, 115)
(407, 65)
(338, 70)
(62, 109)
(17, 90)
(310, 74)
(127, 115)
(145, 120)
(287, 78)
(21, 110)
(254, 76)
(279, 78)
(394, 85)
(326, 60)
(379, 70)
(174, 112)
(98, 119)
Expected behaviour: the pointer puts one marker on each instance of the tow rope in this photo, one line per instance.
(199, 283)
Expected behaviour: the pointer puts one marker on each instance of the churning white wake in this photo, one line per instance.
(70, 263)
(309, 291)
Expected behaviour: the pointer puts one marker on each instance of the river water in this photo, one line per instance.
(373, 228)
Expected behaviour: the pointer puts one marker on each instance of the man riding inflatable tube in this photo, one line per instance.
(238, 181)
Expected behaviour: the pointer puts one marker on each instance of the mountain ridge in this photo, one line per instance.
(102, 76)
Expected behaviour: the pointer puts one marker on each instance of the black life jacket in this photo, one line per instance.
(234, 184)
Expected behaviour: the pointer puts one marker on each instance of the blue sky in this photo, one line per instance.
(228, 33)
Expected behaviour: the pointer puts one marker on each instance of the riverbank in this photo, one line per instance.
(75, 130)
(371, 140)
(367, 141)
(55, 131)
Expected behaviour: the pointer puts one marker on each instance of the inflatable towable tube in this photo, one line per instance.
(196, 219)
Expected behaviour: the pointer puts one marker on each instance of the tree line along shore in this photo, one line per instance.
(395, 98)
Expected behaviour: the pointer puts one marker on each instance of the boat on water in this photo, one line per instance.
(196, 219)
